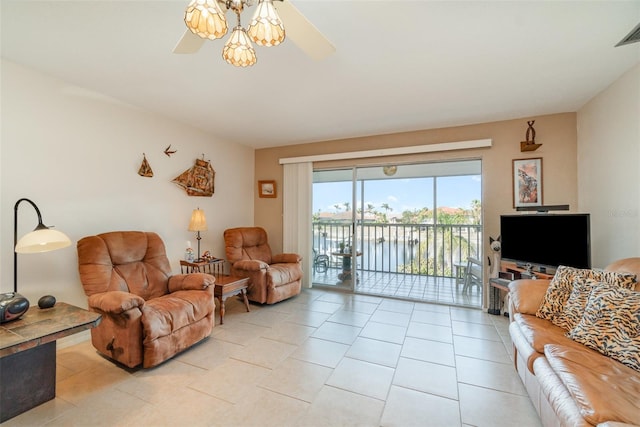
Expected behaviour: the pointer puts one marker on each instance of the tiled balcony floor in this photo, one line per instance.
(440, 290)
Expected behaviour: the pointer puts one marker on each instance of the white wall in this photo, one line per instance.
(608, 169)
(76, 154)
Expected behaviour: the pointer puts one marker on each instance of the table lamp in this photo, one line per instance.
(41, 239)
(198, 223)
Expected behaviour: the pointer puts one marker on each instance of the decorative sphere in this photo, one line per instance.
(47, 301)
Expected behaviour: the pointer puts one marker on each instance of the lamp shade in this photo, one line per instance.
(266, 28)
(198, 221)
(238, 50)
(42, 240)
(206, 19)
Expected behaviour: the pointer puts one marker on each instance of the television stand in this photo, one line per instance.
(499, 287)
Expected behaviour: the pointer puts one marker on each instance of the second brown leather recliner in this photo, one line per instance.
(273, 277)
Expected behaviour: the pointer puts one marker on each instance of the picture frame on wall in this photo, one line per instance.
(267, 189)
(527, 182)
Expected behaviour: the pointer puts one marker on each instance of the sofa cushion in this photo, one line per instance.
(169, 313)
(603, 389)
(611, 324)
(282, 274)
(561, 285)
(538, 332)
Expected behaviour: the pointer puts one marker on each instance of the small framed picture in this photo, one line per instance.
(267, 189)
(527, 182)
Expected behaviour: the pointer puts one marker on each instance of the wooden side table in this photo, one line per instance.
(212, 266)
(227, 286)
(28, 354)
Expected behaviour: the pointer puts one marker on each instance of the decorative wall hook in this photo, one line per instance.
(530, 144)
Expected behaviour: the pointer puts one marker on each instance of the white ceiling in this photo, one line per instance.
(398, 66)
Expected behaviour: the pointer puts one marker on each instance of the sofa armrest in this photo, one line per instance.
(286, 258)
(115, 302)
(526, 295)
(250, 265)
(190, 282)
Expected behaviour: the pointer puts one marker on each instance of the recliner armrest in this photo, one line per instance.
(286, 258)
(190, 282)
(250, 265)
(115, 302)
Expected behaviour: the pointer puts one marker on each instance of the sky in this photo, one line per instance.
(401, 194)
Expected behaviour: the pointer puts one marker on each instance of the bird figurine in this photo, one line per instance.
(169, 152)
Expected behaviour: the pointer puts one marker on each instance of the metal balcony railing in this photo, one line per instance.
(419, 249)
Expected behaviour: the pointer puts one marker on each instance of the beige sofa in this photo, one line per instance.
(569, 383)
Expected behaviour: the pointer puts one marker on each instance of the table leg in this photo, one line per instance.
(494, 300)
(244, 297)
(221, 299)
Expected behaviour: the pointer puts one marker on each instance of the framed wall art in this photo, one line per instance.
(527, 182)
(267, 189)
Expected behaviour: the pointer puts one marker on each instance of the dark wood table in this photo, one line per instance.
(28, 354)
(210, 266)
(497, 285)
(227, 286)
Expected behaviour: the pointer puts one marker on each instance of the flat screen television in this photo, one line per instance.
(546, 240)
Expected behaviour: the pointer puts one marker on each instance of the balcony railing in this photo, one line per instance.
(419, 249)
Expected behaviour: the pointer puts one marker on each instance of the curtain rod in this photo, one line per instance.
(416, 149)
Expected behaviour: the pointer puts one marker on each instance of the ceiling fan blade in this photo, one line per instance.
(189, 43)
(302, 32)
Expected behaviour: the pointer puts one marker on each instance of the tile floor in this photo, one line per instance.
(322, 358)
(440, 290)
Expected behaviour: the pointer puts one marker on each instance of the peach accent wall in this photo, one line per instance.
(557, 133)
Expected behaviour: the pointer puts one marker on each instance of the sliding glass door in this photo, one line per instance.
(376, 226)
(335, 260)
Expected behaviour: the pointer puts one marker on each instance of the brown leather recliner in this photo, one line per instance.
(273, 277)
(148, 315)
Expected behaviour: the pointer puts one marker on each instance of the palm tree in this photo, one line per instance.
(446, 241)
(476, 210)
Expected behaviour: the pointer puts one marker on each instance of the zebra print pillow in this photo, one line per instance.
(611, 324)
(561, 286)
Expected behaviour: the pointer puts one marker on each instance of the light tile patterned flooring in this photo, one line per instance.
(322, 358)
(441, 290)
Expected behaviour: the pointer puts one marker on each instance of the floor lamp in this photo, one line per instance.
(41, 239)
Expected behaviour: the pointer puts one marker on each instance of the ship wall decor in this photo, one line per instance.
(145, 169)
(198, 179)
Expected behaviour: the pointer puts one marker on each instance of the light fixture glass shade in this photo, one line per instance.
(238, 50)
(206, 19)
(42, 240)
(198, 221)
(266, 28)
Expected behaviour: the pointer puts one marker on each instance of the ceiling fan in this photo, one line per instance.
(298, 28)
